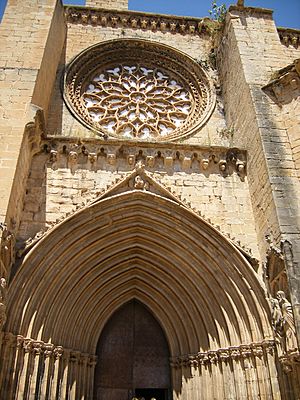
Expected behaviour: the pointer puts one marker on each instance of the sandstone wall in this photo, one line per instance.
(246, 66)
(81, 36)
(26, 79)
(113, 4)
(54, 190)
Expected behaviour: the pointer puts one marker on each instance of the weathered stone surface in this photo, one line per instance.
(198, 228)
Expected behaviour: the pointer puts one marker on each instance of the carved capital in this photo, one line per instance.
(37, 347)
(48, 349)
(92, 361)
(58, 352)
(75, 356)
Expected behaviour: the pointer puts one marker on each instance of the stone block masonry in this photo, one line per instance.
(110, 4)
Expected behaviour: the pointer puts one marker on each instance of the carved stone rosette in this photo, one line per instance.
(133, 89)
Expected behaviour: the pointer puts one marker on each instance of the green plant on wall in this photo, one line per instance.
(217, 12)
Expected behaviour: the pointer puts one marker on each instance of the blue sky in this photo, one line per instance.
(286, 12)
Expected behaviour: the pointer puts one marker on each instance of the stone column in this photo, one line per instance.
(48, 353)
(92, 361)
(7, 358)
(56, 361)
(64, 374)
(36, 353)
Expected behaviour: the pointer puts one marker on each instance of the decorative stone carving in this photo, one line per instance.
(131, 159)
(288, 322)
(111, 159)
(289, 37)
(276, 316)
(92, 158)
(73, 157)
(53, 155)
(115, 153)
(140, 20)
(38, 347)
(140, 183)
(3, 294)
(225, 354)
(161, 95)
(222, 165)
(186, 162)
(204, 164)
(240, 166)
(7, 253)
(168, 162)
(150, 161)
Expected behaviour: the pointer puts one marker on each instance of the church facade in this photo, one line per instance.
(149, 204)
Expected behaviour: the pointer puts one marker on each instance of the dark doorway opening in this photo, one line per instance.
(148, 394)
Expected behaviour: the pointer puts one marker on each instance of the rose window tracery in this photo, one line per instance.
(138, 91)
(135, 101)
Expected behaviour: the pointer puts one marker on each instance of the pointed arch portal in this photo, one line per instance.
(143, 247)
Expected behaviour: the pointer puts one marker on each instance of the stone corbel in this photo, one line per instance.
(111, 159)
(168, 162)
(240, 166)
(131, 160)
(92, 157)
(35, 128)
(186, 162)
(204, 163)
(150, 161)
(73, 158)
(53, 156)
(222, 165)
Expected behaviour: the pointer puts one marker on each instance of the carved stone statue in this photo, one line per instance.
(288, 322)
(276, 316)
(140, 184)
(3, 294)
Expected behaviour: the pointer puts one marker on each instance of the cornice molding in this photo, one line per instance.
(139, 20)
(209, 159)
(289, 37)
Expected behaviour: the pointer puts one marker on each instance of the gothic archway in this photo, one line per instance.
(140, 245)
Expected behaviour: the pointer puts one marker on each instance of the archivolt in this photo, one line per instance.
(137, 245)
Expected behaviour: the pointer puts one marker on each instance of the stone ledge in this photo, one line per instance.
(210, 159)
(251, 10)
(139, 20)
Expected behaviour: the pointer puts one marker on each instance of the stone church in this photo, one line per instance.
(149, 204)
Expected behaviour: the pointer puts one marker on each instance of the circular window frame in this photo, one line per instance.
(120, 51)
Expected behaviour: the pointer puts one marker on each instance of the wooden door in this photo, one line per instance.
(132, 354)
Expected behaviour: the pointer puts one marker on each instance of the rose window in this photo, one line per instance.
(135, 101)
(116, 93)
